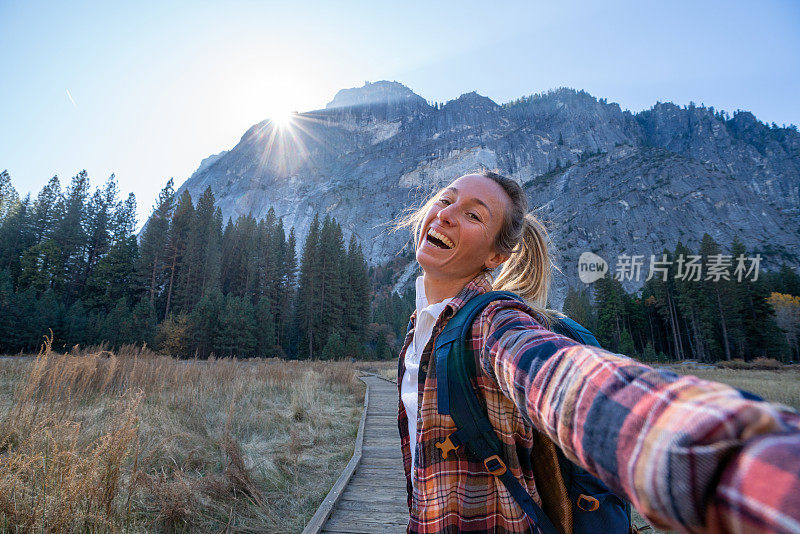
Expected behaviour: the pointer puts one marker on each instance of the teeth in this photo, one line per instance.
(441, 237)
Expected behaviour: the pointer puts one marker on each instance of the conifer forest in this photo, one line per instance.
(193, 285)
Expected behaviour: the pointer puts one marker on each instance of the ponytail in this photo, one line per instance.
(527, 272)
(523, 237)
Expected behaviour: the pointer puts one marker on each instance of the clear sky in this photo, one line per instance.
(148, 89)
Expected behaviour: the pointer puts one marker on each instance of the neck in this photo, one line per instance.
(438, 289)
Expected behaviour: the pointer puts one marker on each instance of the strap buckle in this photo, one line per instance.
(587, 503)
(497, 466)
(446, 446)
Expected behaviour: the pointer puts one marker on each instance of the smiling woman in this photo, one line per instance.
(689, 454)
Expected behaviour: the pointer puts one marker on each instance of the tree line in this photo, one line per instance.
(189, 286)
(70, 262)
(707, 319)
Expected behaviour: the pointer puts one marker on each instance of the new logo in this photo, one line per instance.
(591, 267)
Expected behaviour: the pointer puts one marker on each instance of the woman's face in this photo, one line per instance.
(459, 231)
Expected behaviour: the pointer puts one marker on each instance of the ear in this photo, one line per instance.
(495, 260)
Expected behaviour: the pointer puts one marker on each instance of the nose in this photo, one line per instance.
(445, 215)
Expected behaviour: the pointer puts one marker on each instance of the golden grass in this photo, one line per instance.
(769, 379)
(780, 385)
(133, 442)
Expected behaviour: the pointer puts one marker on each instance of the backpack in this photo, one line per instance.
(594, 507)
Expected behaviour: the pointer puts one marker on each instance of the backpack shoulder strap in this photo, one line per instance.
(567, 327)
(455, 371)
(454, 334)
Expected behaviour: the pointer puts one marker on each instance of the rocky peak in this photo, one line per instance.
(370, 94)
(381, 101)
(472, 99)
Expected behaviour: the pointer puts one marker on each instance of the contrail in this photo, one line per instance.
(71, 99)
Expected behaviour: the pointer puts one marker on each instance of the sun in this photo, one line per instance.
(282, 117)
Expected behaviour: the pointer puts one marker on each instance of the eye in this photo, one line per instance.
(444, 201)
(474, 216)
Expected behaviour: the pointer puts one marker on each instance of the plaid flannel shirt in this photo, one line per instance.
(691, 455)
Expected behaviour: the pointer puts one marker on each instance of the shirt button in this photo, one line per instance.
(425, 368)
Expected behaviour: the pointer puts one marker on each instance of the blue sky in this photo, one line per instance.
(148, 89)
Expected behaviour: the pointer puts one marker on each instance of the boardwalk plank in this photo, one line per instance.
(374, 498)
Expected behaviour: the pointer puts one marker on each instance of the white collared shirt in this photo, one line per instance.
(427, 315)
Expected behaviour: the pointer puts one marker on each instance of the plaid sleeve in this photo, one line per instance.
(690, 454)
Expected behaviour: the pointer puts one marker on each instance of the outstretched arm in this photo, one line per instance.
(690, 454)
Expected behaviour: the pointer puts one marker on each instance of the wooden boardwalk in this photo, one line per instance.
(370, 496)
(374, 499)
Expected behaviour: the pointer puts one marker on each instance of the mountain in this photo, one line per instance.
(604, 179)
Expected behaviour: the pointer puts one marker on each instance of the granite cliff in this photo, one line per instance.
(604, 179)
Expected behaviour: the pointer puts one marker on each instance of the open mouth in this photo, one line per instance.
(439, 240)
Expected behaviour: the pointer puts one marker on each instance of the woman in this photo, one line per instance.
(691, 455)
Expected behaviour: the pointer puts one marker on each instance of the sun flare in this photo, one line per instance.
(282, 118)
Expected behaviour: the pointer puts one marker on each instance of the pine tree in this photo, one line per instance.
(41, 268)
(610, 312)
(663, 301)
(98, 228)
(353, 348)
(47, 210)
(143, 322)
(334, 349)
(204, 323)
(6, 300)
(626, 345)
(690, 301)
(117, 325)
(236, 335)
(9, 197)
(76, 324)
(711, 313)
(230, 259)
(578, 306)
(180, 226)
(356, 292)
(636, 321)
(787, 317)
(786, 281)
(763, 338)
(114, 277)
(153, 246)
(16, 236)
(307, 294)
(283, 331)
(649, 354)
(271, 259)
(265, 328)
(240, 252)
(202, 265)
(70, 233)
(332, 271)
(49, 316)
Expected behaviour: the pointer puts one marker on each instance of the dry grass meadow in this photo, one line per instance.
(137, 442)
(93, 441)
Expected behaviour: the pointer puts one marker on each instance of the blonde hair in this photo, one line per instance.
(522, 236)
